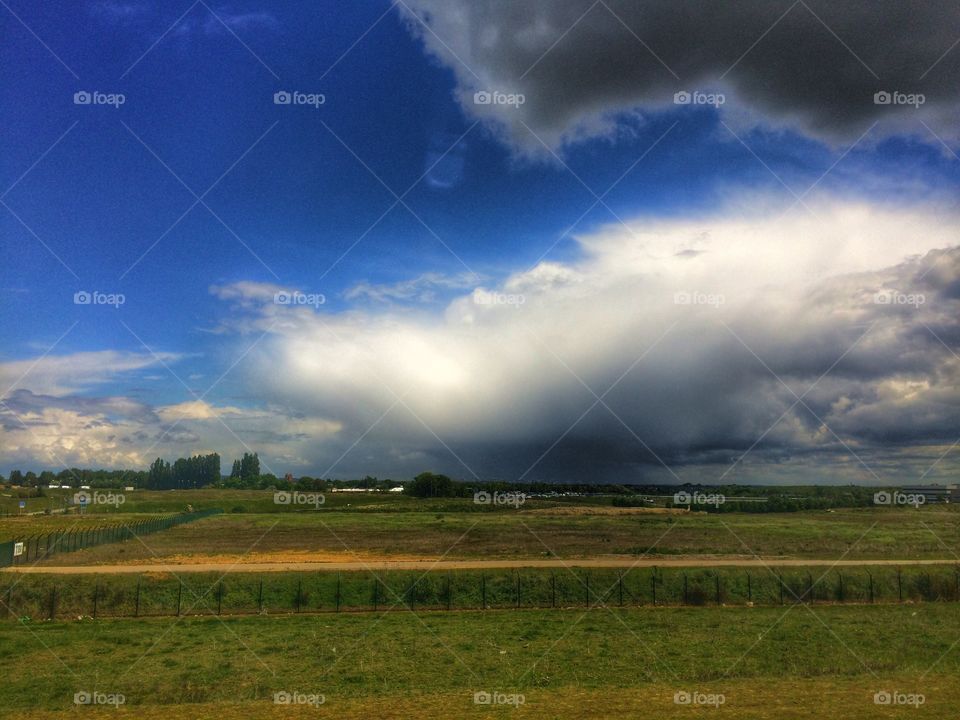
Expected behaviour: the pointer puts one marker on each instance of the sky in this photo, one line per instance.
(611, 241)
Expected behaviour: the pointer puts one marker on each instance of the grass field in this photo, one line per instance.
(767, 662)
(352, 637)
(868, 533)
(20, 527)
(47, 596)
(262, 501)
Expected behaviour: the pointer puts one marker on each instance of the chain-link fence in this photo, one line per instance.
(37, 547)
(166, 594)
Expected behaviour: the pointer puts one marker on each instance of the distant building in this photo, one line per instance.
(934, 493)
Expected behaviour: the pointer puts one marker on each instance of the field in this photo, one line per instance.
(591, 610)
(566, 663)
(56, 596)
(371, 526)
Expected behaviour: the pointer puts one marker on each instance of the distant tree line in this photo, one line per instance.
(757, 498)
(193, 472)
(75, 477)
(204, 470)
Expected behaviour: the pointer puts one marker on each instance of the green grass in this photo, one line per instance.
(69, 596)
(868, 533)
(262, 501)
(17, 528)
(536, 652)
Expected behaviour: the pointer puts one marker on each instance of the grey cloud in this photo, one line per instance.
(424, 288)
(25, 401)
(813, 66)
(876, 381)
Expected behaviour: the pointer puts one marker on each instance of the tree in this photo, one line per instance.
(235, 472)
(16, 477)
(250, 467)
(159, 476)
(429, 484)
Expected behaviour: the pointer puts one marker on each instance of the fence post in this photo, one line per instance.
(717, 578)
(449, 592)
(780, 578)
(587, 586)
(338, 591)
(299, 592)
(518, 588)
(96, 593)
(553, 590)
(376, 589)
(810, 587)
(136, 612)
(684, 588)
(842, 596)
(179, 597)
(483, 590)
(260, 597)
(871, 585)
(653, 584)
(620, 584)
(749, 589)
(220, 597)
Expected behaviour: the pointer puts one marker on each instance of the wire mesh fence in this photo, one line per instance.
(34, 548)
(41, 596)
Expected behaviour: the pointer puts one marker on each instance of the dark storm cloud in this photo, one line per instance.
(814, 66)
(813, 364)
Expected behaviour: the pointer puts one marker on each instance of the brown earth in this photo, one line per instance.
(314, 561)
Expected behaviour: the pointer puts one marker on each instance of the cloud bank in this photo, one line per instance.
(760, 343)
(828, 338)
(811, 66)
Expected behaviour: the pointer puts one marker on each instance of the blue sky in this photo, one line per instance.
(293, 197)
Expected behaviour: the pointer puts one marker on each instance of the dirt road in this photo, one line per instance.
(431, 564)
